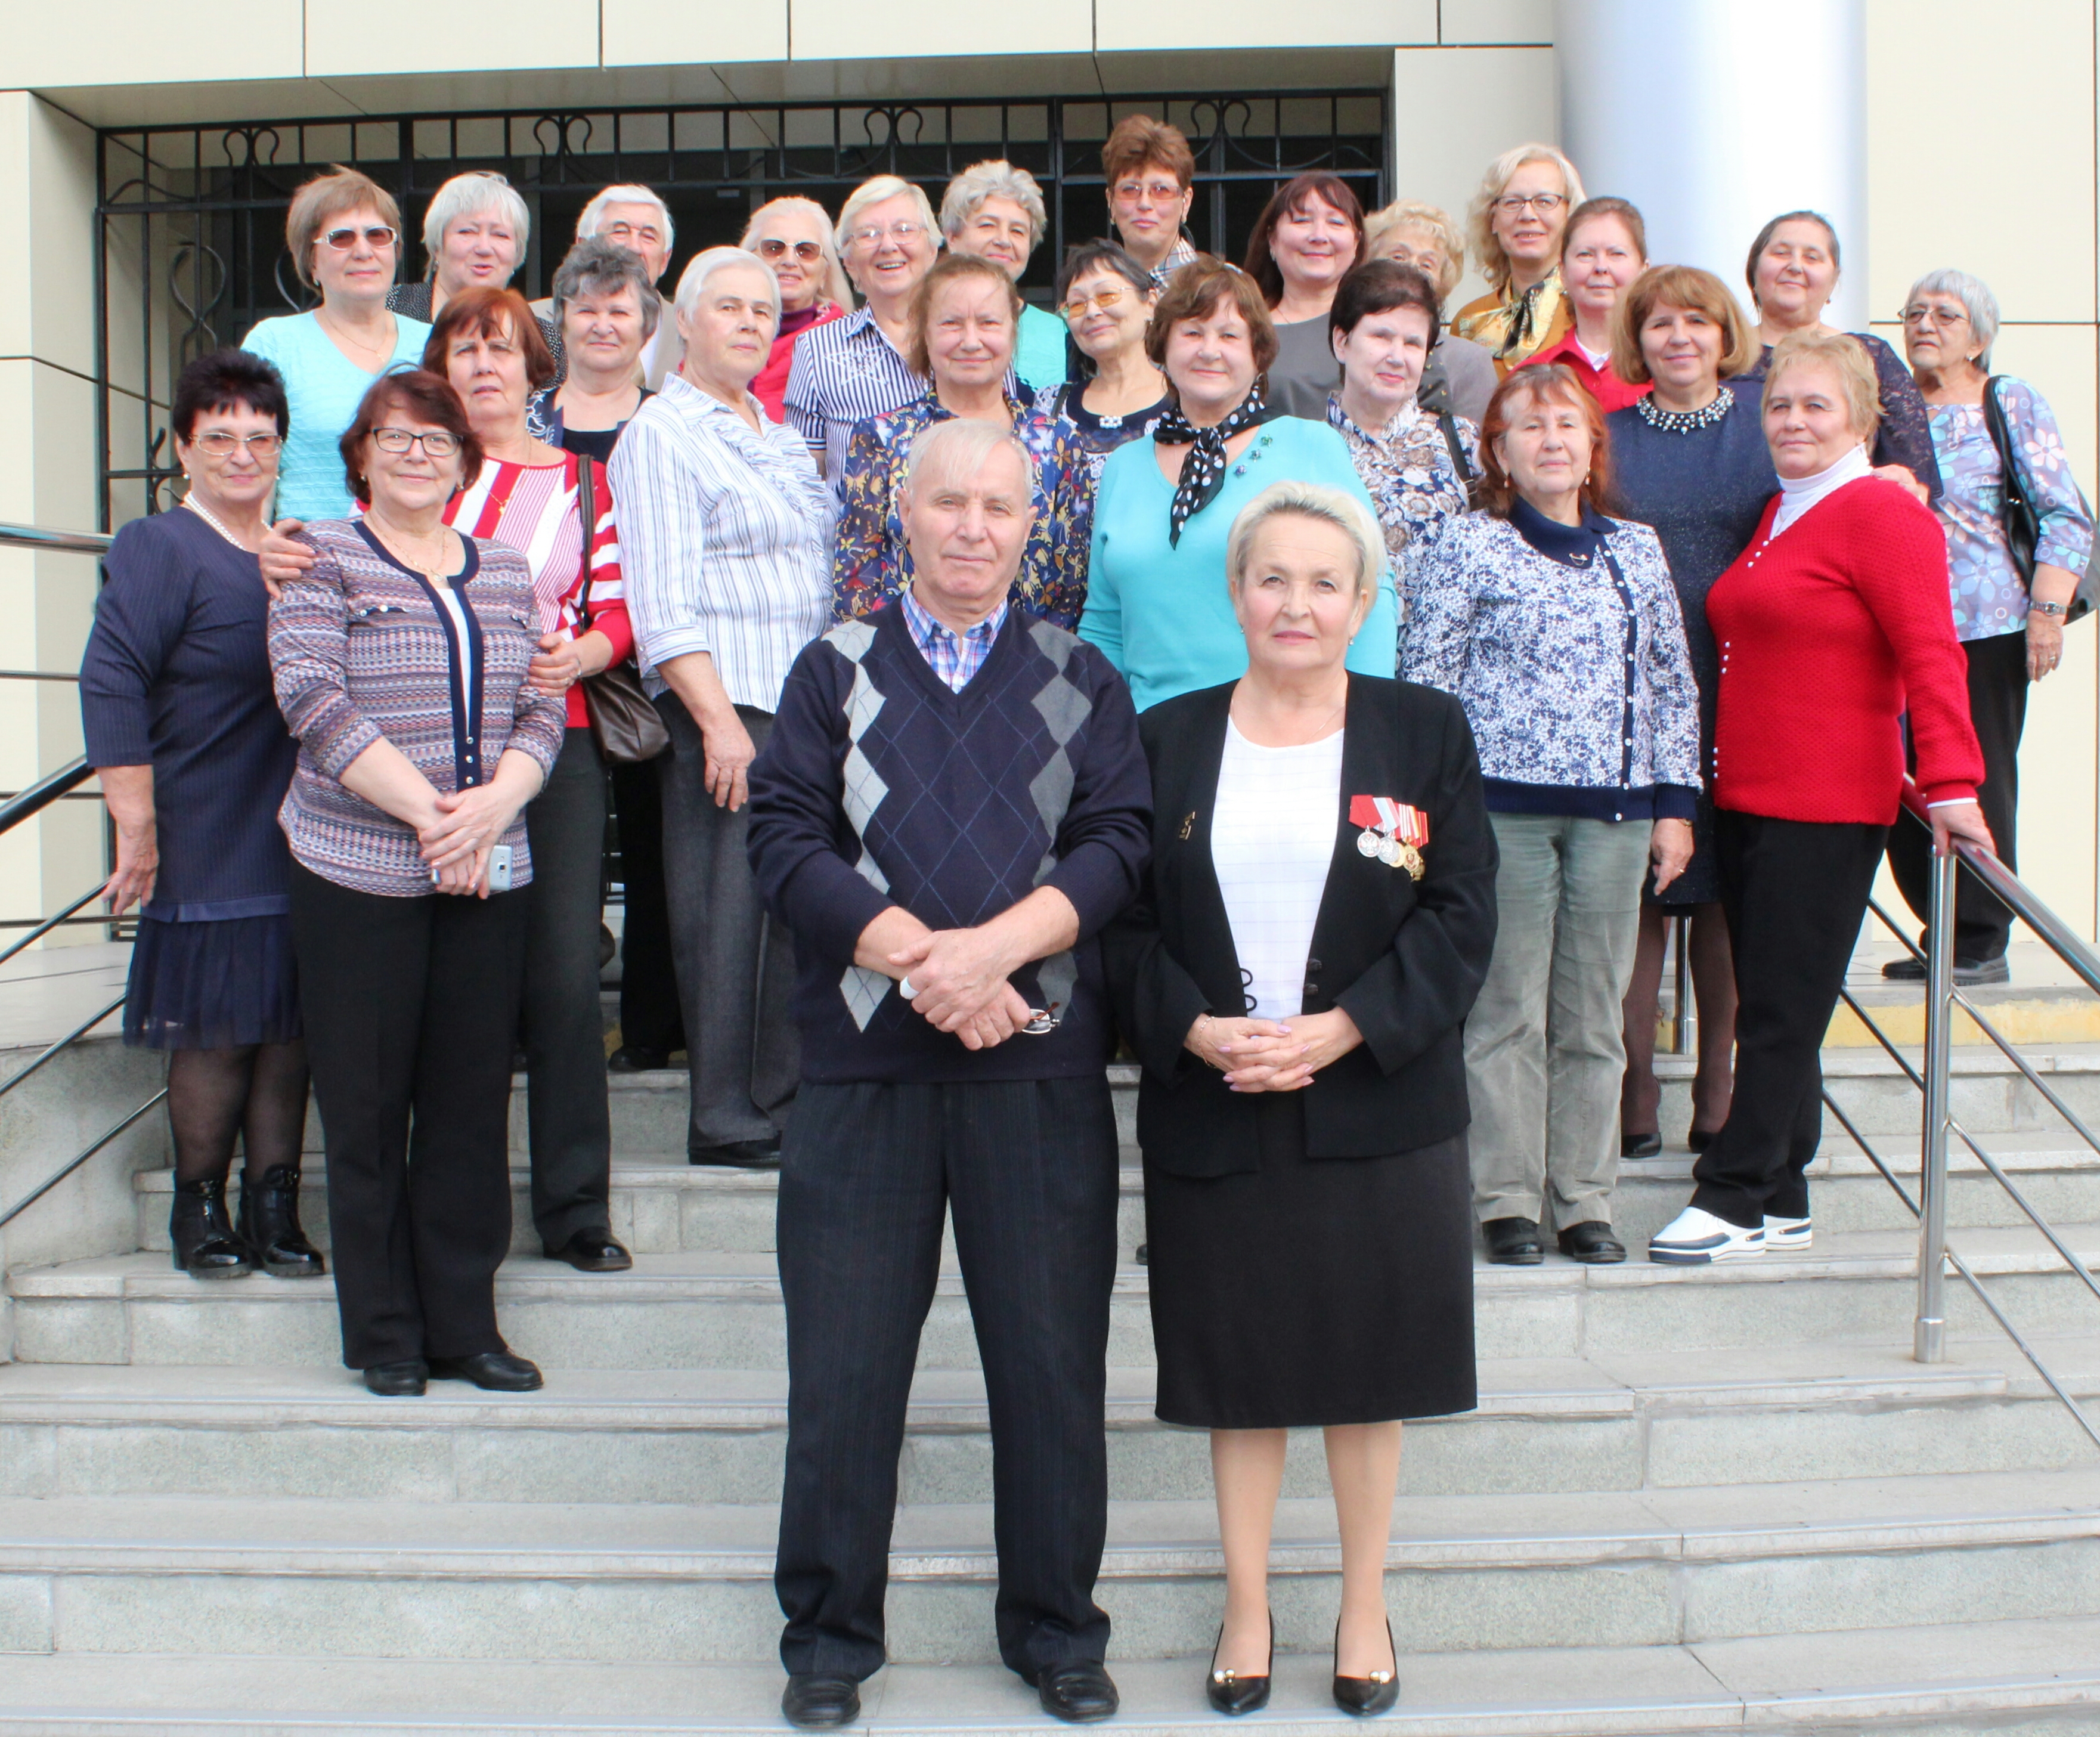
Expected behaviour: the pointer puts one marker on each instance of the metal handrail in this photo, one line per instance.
(55, 542)
(44, 792)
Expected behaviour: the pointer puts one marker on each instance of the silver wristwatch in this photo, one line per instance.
(2047, 609)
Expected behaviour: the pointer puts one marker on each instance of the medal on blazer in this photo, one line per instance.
(1393, 832)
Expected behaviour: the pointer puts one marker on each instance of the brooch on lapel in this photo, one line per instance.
(1393, 832)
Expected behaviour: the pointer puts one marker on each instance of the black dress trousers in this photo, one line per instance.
(649, 1015)
(411, 1006)
(1794, 892)
(868, 1173)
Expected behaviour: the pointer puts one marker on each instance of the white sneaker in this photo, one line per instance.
(1695, 1238)
(1788, 1233)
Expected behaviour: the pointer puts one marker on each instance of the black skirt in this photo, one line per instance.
(212, 985)
(1314, 1290)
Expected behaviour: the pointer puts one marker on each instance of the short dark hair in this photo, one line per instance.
(1194, 293)
(1101, 256)
(228, 380)
(1555, 380)
(1378, 286)
(1286, 200)
(1770, 229)
(426, 397)
(485, 311)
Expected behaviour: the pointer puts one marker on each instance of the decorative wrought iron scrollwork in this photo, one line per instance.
(562, 148)
(200, 335)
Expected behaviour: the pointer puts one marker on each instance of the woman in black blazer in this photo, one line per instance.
(1320, 916)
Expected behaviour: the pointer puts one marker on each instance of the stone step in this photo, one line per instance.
(723, 1310)
(2039, 1673)
(693, 1583)
(1628, 1421)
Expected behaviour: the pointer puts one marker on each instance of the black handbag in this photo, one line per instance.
(624, 720)
(2022, 521)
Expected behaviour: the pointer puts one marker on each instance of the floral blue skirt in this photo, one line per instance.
(213, 985)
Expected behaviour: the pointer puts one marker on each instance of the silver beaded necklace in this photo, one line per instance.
(1683, 421)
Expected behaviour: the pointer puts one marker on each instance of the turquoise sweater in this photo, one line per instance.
(325, 387)
(1038, 352)
(1161, 614)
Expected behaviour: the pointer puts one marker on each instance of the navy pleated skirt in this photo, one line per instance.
(213, 985)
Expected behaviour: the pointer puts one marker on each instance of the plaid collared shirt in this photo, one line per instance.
(1177, 256)
(954, 657)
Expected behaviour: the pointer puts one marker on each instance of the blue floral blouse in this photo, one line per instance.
(1408, 469)
(1989, 597)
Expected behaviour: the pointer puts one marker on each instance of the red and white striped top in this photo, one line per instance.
(533, 510)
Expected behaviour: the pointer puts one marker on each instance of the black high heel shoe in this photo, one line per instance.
(1230, 1693)
(202, 1235)
(270, 1225)
(1365, 1697)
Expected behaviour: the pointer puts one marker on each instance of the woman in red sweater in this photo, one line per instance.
(1832, 624)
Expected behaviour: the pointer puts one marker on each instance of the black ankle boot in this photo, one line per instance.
(270, 1225)
(205, 1244)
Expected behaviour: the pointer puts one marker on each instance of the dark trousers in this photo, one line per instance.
(1998, 707)
(411, 1006)
(1794, 892)
(1028, 1169)
(649, 1016)
(736, 966)
(564, 1024)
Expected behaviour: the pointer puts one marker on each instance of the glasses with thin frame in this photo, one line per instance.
(903, 232)
(624, 231)
(1160, 192)
(1922, 313)
(1081, 306)
(220, 443)
(1512, 204)
(436, 442)
(372, 235)
(808, 252)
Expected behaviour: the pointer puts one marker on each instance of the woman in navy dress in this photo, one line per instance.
(182, 722)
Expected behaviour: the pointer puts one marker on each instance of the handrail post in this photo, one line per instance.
(1929, 1342)
(1684, 1024)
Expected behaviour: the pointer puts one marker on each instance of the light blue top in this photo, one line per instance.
(1161, 614)
(325, 388)
(1038, 349)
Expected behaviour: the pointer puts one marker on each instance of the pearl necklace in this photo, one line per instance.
(204, 513)
(1683, 421)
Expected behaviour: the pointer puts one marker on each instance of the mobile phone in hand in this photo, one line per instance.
(499, 868)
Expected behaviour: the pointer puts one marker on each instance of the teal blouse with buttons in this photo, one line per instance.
(1159, 611)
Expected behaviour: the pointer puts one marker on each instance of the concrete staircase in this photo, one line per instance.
(1690, 1501)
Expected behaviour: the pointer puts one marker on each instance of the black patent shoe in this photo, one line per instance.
(201, 1233)
(492, 1371)
(1367, 1697)
(1592, 1243)
(739, 1154)
(1639, 1145)
(397, 1381)
(1513, 1242)
(270, 1225)
(592, 1251)
(817, 1702)
(1078, 1691)
(1231, 1694)
(635, 1058)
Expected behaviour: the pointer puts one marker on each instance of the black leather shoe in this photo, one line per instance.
(739, 1154)
(1077, 1691)
(1233, 1694)
(1592, 1243)
(1367, 1697)
(1513, 1242)
(592, 1251)
(632, 1058)
(396, 1381)
(270, 1225)
(1639, 1145)
(818, 1703)
(1699, 1139)
(201, 1233)
(1144, 1255)
(497, 1371)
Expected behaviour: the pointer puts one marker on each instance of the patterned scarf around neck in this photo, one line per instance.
(1531, 313)
(1203, 474)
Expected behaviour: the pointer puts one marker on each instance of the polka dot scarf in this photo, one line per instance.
(1203, 472)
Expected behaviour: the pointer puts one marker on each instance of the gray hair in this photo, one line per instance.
(693, 281)
(833, 285)
(1316, 501)
(479, 190)
(958, 447)
(626, 193)
(996, 179)
(595, 266)
(873, 192)
(1977, 303)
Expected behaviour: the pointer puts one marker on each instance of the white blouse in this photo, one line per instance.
(1272, 838)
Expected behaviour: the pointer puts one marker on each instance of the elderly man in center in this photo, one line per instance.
(995, 211)
(955, 1027)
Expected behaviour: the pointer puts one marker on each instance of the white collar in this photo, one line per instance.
(1798, 494)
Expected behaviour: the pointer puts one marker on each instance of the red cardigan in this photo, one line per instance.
(1828, 635)
(770, 387)
(1610, 392)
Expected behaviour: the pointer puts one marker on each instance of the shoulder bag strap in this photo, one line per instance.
(2021, 522)
(587, 516)
(1466, 480)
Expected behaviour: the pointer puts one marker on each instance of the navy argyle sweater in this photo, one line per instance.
(880, 786)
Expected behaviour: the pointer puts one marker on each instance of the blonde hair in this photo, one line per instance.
(1323, 505)
(833, 285)
(1846, 357)
(1480, 214)
(873, 192)
(1380, 227)
(321, 201)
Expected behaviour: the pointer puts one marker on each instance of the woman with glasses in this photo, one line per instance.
(343, 231)
(1106, 298)
(182, 726)
(857, 367)
(2008, 601)
(995, 211)
(1460, 376)
(794, 237)
(1520, 215)
(1151, 176)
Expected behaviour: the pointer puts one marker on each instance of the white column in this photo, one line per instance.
(1713, 115)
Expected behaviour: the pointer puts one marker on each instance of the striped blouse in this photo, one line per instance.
(533, 510)
(360, 648)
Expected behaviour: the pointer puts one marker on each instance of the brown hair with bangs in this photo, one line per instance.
(1287, 200)
(1685, 287)
(1140, 142)
(323, 201)
(422, 396)
(949, 268)
(1551, 383)
(1194, 293)
(489, 312)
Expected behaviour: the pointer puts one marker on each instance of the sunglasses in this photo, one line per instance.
(373, 235)
(808, 252)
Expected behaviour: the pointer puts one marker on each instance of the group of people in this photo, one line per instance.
(1245, 665)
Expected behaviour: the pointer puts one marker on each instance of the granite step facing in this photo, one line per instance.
(693, 1583)
(2033, 1677)
(723, 1310)
(1625, 1422)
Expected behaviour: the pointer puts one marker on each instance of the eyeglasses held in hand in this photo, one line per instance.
(220, 444)
(372, 235)
(1510, 205)
(900, 232)
(437, 443)
(808, 252)
(1080, 305)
